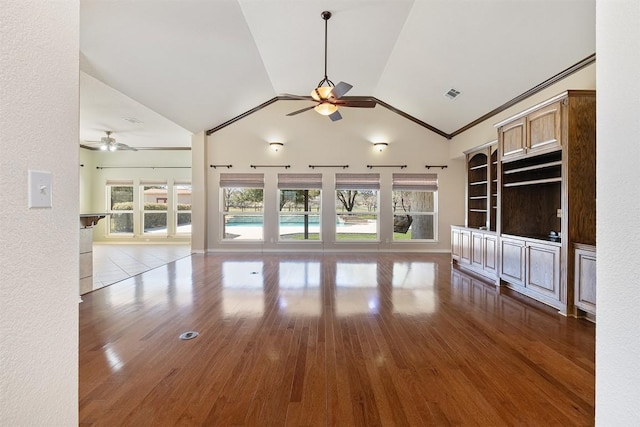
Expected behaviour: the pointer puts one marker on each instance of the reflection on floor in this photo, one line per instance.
(114, 262)
(360, 339)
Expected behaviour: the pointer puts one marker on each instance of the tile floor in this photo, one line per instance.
(114, 262)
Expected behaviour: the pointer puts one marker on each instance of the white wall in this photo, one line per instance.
(485, 131)
(39, 250)
(101, 166)
(618, 232)
(313, 139)
(87, 171)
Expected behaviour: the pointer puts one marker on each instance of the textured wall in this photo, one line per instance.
(618, 233)
(39, 249)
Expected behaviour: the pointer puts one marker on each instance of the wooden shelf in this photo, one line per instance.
(477, 197)
(533, 182)
(478, 167)
(478, 210)
(533, 167)
(478, 183)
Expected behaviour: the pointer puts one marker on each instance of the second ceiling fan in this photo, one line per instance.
(328, 96)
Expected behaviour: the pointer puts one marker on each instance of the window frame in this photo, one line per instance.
(144, 211)
(357, 182)
(300, 182)
(112, 212)
(415, 183)
(242, 181)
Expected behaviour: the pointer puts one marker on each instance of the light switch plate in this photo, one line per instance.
(39, 189)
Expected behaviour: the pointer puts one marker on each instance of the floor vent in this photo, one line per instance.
(189, 335)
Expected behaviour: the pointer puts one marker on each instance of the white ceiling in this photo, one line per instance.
(181, 67)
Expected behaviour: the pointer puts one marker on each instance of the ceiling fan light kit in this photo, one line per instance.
(326, 94)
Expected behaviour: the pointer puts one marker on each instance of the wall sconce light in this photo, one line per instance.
(275, 146)
(380, 146)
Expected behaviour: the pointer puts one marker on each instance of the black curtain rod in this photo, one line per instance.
(270, 166)
(436, 166)
(386, 166)
(328, 166)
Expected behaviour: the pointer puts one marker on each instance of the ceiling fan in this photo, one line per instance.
(328, 96)
(107, 143)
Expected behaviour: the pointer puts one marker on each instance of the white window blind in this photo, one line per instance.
(153, 182)
(242, 180)
(116, 182)
(299, 181)
(357, 181)
(415, 182)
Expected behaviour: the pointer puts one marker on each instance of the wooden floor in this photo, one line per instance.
(323, 340)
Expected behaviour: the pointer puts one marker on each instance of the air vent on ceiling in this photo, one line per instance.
(133, 120)
(452, 94)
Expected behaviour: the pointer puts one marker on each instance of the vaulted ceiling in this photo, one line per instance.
(153, 72)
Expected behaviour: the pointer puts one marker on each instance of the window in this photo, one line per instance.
(299, 207)
(414, 201)
(120, 203)
(154, 207)
(242, 206)
(357, 206)
(182, 202)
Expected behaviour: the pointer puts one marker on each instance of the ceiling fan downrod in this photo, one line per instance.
(326, 15)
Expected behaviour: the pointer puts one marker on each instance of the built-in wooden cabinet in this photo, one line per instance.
(482, 187)
(532, 267)
(530, 199)
(547, 195)
(585, 279)
(475, 250)
(474, 246)
(533, 132)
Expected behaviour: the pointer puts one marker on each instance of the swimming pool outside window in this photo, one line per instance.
(299, 206)
(242, 206)
(357, 201)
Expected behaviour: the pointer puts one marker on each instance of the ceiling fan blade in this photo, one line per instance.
(121, 146)
(356, 104)
(301, 110)
(340, 89)
(290, 96)
(335, 116)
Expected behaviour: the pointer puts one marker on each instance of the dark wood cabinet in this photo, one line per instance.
(474, 245)
(482, 187)
(547, 195)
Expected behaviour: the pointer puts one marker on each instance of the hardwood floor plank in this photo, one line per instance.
(328, 340)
